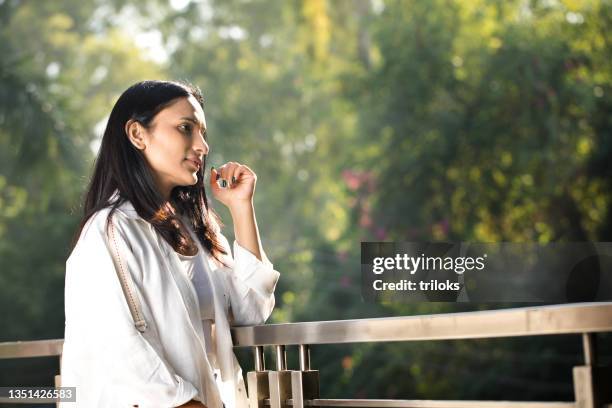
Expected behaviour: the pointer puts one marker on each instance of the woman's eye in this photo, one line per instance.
(185, 128)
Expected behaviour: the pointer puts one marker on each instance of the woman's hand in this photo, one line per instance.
(233, 184)
(237, 194)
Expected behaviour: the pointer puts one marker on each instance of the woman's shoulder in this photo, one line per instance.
(91, 235)
(99, 221)
(98, 225)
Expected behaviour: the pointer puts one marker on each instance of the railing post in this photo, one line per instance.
(260, 361)
(281, 358)
(304, 356)
(588, 349)
(280, 380)
(304, 383)
(584, 386)
(591, 381)
(258, 380)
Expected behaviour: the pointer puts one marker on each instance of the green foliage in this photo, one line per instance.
(364, 120)
(489, 116)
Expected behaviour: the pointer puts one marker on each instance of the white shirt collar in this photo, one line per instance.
(126, 207)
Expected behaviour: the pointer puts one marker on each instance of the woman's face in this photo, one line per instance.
(174, 145)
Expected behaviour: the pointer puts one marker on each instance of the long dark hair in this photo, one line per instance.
(121, 166)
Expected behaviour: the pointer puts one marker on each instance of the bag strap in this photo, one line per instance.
(126, 284)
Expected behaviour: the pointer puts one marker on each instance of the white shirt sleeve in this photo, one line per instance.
(105, 357)
(252, 284)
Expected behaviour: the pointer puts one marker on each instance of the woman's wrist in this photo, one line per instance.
(240, 207)
(245, 226)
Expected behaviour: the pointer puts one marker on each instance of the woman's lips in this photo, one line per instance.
(195, 163)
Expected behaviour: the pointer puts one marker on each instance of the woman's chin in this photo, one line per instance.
(193, 179)
(189, 181)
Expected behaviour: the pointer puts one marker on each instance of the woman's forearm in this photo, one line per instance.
(245, 228)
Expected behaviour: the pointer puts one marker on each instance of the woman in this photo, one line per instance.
(151, 285)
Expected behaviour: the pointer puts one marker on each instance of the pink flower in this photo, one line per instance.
(356, 179)
(351, 179)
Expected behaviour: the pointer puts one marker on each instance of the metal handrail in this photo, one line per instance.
(572, 318)
(528, 321)
(34, 348)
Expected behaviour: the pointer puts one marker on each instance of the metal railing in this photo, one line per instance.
(299, 388)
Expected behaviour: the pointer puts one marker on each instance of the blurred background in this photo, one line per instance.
(365, 120)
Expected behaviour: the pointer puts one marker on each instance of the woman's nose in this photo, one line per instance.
(200, 145)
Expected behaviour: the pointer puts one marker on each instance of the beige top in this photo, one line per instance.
(196, 268)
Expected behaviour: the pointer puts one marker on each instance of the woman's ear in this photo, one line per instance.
(135, 134)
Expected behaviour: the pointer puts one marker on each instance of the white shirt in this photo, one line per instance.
(114, 365)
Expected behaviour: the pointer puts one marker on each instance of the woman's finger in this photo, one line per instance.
(235, 177)
(214, 176)
(250, 171)
(229, 173)
(226, 173)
